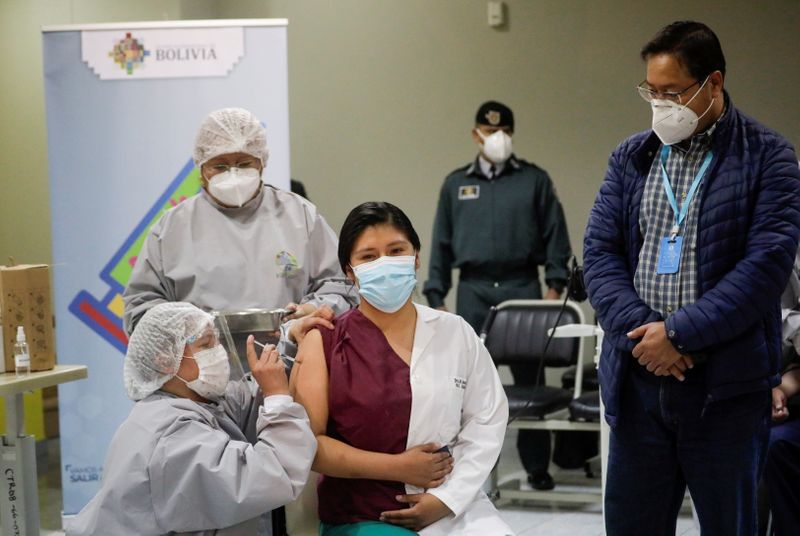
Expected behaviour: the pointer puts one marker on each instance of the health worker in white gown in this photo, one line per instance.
(240, 243)
(198, 454)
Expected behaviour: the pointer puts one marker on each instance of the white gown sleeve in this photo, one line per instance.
(148, 286)
(201, 479)
(242, 403)
(327, 284)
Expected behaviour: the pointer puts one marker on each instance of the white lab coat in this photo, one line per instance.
(176, 466)
(457, 399)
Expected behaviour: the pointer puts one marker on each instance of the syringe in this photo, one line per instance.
(286, 357)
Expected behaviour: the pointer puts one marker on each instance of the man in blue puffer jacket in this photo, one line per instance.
(689, 245)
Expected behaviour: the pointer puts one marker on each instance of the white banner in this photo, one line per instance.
(120, 154)
(172, 53)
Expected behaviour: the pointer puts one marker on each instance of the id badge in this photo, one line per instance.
(469, 192)
(669, 255)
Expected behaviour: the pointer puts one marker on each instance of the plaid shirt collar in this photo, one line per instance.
(701, 141)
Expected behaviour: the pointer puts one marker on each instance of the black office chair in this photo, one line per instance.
(516, 331)
(590, 381)
(570, 450)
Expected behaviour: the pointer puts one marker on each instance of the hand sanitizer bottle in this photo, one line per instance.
(22, 358)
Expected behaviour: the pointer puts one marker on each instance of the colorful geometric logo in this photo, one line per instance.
(104, 316)
(128, 53)
(287, 264)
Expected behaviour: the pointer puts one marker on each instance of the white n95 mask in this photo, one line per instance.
(236, 186)
(496, 146)
(215, 372)
(673, 122)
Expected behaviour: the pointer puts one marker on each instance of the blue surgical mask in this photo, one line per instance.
(387, 283)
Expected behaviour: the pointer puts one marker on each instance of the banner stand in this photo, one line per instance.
(123, 104)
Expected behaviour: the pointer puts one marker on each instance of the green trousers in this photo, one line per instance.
(366, 528)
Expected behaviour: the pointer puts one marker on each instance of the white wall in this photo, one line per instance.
(24, 191)
(383, 92)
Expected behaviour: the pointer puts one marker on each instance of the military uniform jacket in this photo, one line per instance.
(501, 228)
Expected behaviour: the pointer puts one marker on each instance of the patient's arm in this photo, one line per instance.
(419, 466)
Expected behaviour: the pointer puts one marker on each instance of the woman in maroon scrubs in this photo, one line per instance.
(360, 381)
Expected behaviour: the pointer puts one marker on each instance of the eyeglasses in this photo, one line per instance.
(675, 96)
(216, 169)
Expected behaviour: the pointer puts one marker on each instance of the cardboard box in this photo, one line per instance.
(25, 301)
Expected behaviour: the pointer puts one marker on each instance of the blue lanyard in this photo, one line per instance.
(680, 215)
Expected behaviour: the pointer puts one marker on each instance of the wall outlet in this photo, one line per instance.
(496, 13)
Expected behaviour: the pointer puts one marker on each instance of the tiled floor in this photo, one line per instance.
(552, 519)
(526, 518)
(541, 519)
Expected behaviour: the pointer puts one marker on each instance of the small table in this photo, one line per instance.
(19, 497)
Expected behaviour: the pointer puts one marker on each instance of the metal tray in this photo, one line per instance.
(235, 326)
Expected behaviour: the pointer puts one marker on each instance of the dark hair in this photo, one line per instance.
(367, 215)
(694, 45)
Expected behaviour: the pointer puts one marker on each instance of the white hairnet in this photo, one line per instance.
(156, 346)
(230, 130)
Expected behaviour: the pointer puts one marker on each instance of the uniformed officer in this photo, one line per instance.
(497, 221)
